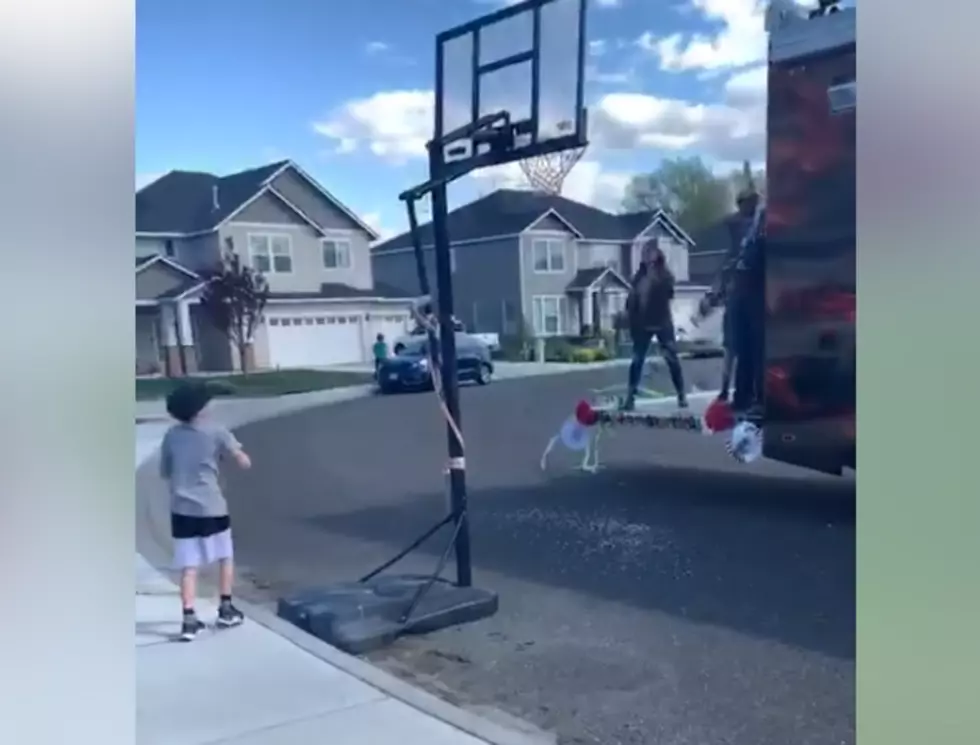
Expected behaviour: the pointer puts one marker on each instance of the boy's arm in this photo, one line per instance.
(166, 458)
(229, 444)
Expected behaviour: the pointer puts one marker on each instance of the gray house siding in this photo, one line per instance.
(549, 284)
(199, 252)
(486, 282)
(147, 340)
(398, 269)
(268, 210)
(549, 223)
(213, 348)
(487, 286)
(268, 215)
(146, 247)
(308, 272)
(332, 219)
(675, 250)
(156, 280)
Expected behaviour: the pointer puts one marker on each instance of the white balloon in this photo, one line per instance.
(573, 435)
(745, 443)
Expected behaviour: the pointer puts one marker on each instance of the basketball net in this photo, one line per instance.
(547, 173)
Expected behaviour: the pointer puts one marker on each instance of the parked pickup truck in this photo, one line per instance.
(492, 341)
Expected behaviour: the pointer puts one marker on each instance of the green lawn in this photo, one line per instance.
(278, 383)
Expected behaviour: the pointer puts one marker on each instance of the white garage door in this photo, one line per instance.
(313, 340)
(392, 325)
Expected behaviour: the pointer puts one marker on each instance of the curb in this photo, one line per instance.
(426, 703)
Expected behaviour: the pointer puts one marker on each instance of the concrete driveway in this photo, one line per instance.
(675, 597)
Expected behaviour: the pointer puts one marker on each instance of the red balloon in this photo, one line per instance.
(719, 417)
(585, 414)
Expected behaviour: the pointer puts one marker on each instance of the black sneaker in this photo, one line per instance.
(682, 402)
(722, 396)
(191, 627)
(229, 615)
(628, 404)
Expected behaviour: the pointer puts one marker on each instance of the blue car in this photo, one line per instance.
(409, 369)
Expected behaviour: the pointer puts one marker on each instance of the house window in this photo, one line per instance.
(616, 302)
(336, 254)
(508, 316)
(549, 255)
(549, 315)
(271, 254)
(168, 248)
(452, 260)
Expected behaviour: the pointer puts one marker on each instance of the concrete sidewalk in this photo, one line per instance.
(266, 682)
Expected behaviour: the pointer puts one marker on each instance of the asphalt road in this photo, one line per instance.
(674, 598)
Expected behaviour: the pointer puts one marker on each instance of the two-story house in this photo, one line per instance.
(559, 267)
(324, 307)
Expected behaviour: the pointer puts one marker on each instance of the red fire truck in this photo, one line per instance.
(811, 245)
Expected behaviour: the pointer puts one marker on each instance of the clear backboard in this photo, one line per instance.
(527, 60)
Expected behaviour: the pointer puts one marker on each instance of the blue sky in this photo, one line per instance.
(344, 89)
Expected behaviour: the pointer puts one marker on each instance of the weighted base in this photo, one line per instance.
(362, 617)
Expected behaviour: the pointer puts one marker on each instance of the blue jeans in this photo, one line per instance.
(668, 350)
(749, 326)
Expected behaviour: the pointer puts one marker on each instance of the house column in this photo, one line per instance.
(587, 316)
(185, 333)
(168, 337)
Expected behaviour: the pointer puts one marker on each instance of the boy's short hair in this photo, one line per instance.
(188, 400)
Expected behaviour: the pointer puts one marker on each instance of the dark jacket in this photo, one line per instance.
(743, 274)
(648, 304)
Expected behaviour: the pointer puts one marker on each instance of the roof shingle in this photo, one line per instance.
(510, 211)
(182, 201)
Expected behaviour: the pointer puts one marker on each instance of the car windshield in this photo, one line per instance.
(416, 347)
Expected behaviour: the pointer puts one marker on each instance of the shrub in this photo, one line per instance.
(222, 388)
(582, 354)
(558, 350)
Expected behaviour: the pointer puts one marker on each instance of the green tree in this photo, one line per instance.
(234, 299)
(694, 195)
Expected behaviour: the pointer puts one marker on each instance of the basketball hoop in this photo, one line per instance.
(547, 173)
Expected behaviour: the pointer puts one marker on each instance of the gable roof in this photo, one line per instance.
(182, 202)
(147, 261)
(511, 211)
(586, 278)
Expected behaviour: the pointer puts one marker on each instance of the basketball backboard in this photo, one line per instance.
(527, 60)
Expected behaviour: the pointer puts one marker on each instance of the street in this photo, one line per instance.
(675, 597)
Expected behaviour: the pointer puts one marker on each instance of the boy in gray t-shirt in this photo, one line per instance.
(190, 455)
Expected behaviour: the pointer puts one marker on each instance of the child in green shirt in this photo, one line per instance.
(380, 352)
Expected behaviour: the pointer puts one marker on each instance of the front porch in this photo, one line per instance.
(167, 322)
(596, 297)
(165, 340)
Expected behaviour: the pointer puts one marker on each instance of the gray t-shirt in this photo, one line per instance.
(189, 458)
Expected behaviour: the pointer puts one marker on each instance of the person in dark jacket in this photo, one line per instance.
(648, 309)
(741, 288)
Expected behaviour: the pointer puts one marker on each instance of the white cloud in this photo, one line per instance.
(394, 125)
(731, 130)
(597, 47)
(608, 3)
(740, 41)
(374, 219)
(376, 47)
